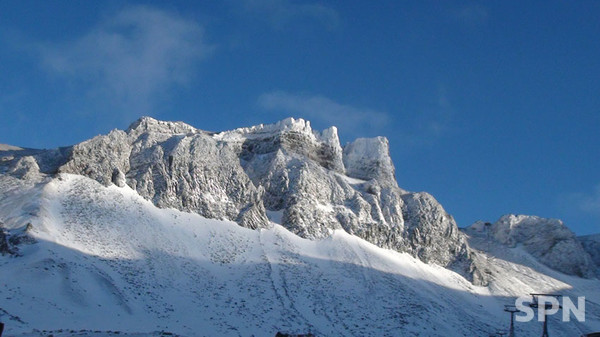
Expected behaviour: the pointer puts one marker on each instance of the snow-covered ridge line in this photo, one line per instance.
(149, 124)
(7, 147)
(290, 124)
(261, 130)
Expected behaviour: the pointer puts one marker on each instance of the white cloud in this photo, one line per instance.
(282, 12)
(318, 108)
(131, 60)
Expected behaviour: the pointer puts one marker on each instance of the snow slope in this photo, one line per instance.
(106, 259)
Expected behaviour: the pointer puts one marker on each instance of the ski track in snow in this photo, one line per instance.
(108, 261)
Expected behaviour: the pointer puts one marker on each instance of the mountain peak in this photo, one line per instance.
(289, 124)
(293, 124)
(369, 158)
(149, 124)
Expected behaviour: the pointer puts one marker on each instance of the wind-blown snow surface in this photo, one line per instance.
(107, 259)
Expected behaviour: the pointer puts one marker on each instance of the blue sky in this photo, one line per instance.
(493, 107)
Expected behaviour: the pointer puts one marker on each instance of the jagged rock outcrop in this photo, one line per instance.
(368, 158)
(591, 244)
(548, 240)
(98, 157)
(307, 176)
(174, 165)
(351, 188)
(4, 247)
(432, 232)
(10, 241)
(25, 167)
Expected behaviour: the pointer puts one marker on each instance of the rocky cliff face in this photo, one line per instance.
(173, 165)
(591, 244)
(304, 176)
(548, 240)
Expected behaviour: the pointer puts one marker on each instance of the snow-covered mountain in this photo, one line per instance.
(301, 176)
(165, 227)
(548, 240)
